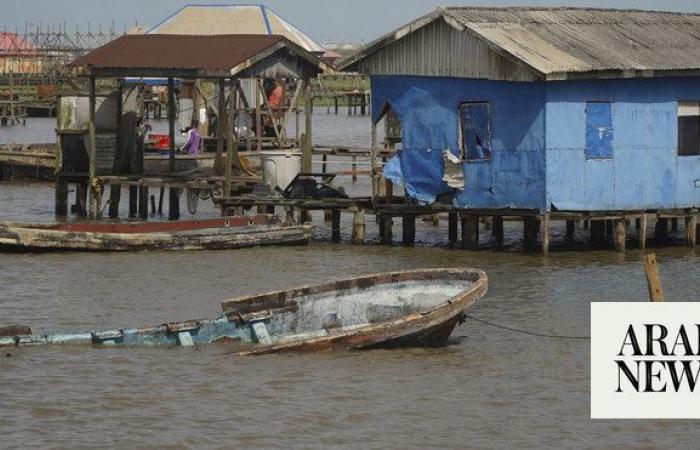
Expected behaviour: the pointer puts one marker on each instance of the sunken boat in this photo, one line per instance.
(418, 308)
(207, 234)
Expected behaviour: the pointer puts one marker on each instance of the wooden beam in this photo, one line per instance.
(307, 151)
(231, 138)
(651, 270)
(220, 128)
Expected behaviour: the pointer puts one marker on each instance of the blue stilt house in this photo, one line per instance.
(550, 109)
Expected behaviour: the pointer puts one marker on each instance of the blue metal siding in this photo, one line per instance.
(599, 130)
(645, 171)
(428, 108)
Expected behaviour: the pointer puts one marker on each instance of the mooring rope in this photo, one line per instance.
(529, 333)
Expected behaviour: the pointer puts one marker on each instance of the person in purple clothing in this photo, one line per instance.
(193, 139)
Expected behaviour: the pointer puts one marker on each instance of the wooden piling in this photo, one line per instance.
(174, 204)
(335, 224)
(153, 204)
(160, 200)
(61, 207)
(529, 232)
(651, 270)
(409, 229)
(620, 235)
(691, 224)
(642, 233)
(544, 232)
(386, 223)
(497, 229)
(452, 225)
(358, 227)
(143, 202)
(570, 230)
(470, 232)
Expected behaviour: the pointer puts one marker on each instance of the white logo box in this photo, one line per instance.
(610, 324)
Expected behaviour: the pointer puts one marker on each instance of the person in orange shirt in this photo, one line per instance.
(274, 91)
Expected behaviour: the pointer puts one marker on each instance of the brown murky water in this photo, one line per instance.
(488, 388)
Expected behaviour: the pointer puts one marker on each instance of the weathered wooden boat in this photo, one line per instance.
(213, 234)
(396, 309)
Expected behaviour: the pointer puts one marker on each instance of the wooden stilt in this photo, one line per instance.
(529, 232)
(470, 232)
(61, 207)
(335, 224)
(661, 230)
(497, 229)
(544, 232)
(409, 229)
(358, 227)
(642, 233)
(174, 204)
(143, 202)
(570, 230)
(691, 224)
(133, 200)
(651, 270)
(386, 223)
(452, 225)
(115, 191)
(81, 198)
(620, 235)
(153, 204)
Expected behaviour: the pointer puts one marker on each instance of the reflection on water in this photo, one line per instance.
(488, 388)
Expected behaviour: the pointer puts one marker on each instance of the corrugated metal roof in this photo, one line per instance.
(233, 19)
(558, 42)
(156, 51)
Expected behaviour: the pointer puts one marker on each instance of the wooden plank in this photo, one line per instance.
(653, 280)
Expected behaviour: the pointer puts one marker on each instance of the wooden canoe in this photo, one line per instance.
(414, 308)
(397, 309)
(212, 234)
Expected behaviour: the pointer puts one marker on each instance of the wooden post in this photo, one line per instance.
(133, 200)
(221, 127)
(409, 229)
(544, 230)
(570, 230)
(143, 201)
(231, 139)
(94, 186)
(452, 224)
(529, 232)
(120, 163)
(358, 227)
(653, 280)
(81, 198)
(691, 224)
(642, 233)
(620, 235)
(335, 226)
(497, 228)
(386, 223)
(174, 197)
(61, 207)
(661, 229)
(307, 151)
(373, 160)
(470, 232)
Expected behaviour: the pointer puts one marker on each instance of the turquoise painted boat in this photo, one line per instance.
(395, 309)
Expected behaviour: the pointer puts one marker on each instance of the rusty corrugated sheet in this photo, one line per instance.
(554, 43)
(175, 52)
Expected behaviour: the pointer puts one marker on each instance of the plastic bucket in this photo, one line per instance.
(279, 167)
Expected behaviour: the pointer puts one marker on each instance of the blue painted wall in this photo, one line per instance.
(539, 138)
(428, 109)
(645, 171)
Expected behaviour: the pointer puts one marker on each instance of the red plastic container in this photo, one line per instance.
(162, 141)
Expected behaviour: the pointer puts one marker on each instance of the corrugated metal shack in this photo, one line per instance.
(563, 111)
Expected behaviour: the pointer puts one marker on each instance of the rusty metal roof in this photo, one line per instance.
(187, 55)
(561, 43)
